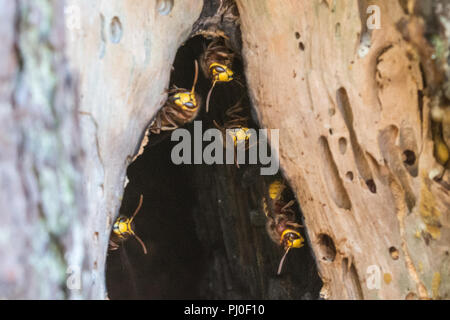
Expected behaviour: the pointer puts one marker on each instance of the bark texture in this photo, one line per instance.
(364, 134)
(353, 109)
(41, 196)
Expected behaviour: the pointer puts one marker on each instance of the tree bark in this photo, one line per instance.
(364, 134)
(43, 215)
(352, 106)
(62, 192)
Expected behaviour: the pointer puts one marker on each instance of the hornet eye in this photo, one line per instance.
(219, 69)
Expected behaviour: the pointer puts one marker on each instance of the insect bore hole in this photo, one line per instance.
(116, 30)
(394, 253)
(327, 249)
(409, 157)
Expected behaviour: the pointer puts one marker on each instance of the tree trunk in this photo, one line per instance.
(353, 109)
(43, 217)
(62, 202)
(364, 127)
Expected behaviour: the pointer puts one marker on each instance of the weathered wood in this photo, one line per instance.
(355, 141)
(364, 134)
(59, 201)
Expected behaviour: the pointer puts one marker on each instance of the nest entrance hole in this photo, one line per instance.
(203, 225)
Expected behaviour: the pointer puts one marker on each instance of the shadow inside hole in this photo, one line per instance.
(326, 247)
(196, 221)
(173, 266)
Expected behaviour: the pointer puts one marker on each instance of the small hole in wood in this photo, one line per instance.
(342, 145)
(409, 157)
(426, 237)
(394, 253)
(371, 185)
(116, 30)
(297, 35)
(164, 7)
(337, 30)
(327, 249)
(349, 175)
(301, 46)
